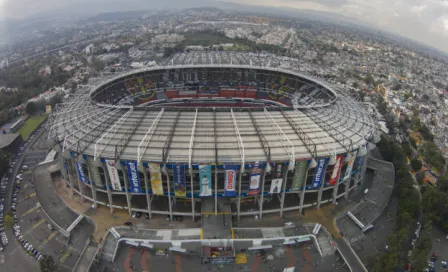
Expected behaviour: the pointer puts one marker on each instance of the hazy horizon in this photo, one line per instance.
(423, 21)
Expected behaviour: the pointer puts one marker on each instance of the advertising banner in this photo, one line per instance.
(276, 186)
(360, 162)
(95, 173)
(319, 173)
(336, 170)
(277, 171)
(81, 174)
(255, 175)
(205, 180)
(156, 178)
(229, 189)
(349, 169)
(180, 188)
(48, 109)
(134, 179)
(113, 175)
(299, 175)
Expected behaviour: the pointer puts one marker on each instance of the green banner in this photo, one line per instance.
(95, 173)
(299, 175)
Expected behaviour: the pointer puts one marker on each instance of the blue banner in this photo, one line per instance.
(81, 174)
(361, 162)
(180, 188)
(229, 189)
(134, 179)
(319, 173)
(205, 180)
(255, 175)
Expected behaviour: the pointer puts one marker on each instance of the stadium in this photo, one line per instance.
(210, 128)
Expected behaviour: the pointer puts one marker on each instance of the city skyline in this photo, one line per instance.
(423, 21)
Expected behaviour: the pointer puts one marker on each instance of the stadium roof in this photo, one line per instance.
(224, 135)
(7, 139)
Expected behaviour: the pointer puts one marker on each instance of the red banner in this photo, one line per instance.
(336, 170)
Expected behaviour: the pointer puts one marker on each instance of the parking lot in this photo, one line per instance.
(440, 247)
(12, 250)
(34, 233)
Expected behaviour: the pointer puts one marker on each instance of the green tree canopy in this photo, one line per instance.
(31, 108)
(47, 264)
(416, 164)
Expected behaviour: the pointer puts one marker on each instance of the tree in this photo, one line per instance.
(31, 108)
(47, 264)
(9, 220)
(442, 184)
(416, 164)
(421, 177)
(396, 87)
(96, 64)
(369, 79)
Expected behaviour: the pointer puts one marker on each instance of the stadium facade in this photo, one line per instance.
(247, 130)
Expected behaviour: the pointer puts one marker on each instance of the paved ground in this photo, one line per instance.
(104, 219)
(34, 222)
(375, 239)
(439, 246)
(304, 258)
(14, 251)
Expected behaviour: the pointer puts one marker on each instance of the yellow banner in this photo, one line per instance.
(156, 178)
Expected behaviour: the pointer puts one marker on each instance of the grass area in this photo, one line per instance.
(238, 47)
(205, 38)
(30, 125)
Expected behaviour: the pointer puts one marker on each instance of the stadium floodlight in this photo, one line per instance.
(313, 163)
(362, 151)
(376, 138)
(102, 142)
(193, 130)
(332, 160)
(145, 141)
(240, 140)
(283, 139)
(370, 146)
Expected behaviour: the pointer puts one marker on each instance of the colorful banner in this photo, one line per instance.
(180, 188)
(319, 173)
(156, 178)
(336, 170)
(360, 162)
(299, 175)
(134, 179)
(229, 189)
(278, 171)
(113, 175)
(94, 173)
(81, 174)
(205, 180)
(255, 175)
(276, 186)
(348, 171)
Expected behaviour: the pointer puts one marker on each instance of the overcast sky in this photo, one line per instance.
(422, 20)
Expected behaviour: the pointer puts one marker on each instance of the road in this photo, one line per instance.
(349, 256)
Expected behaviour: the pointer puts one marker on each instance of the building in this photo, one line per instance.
(11, 127)
(262, 138)
(10, 142)
(89, 49)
